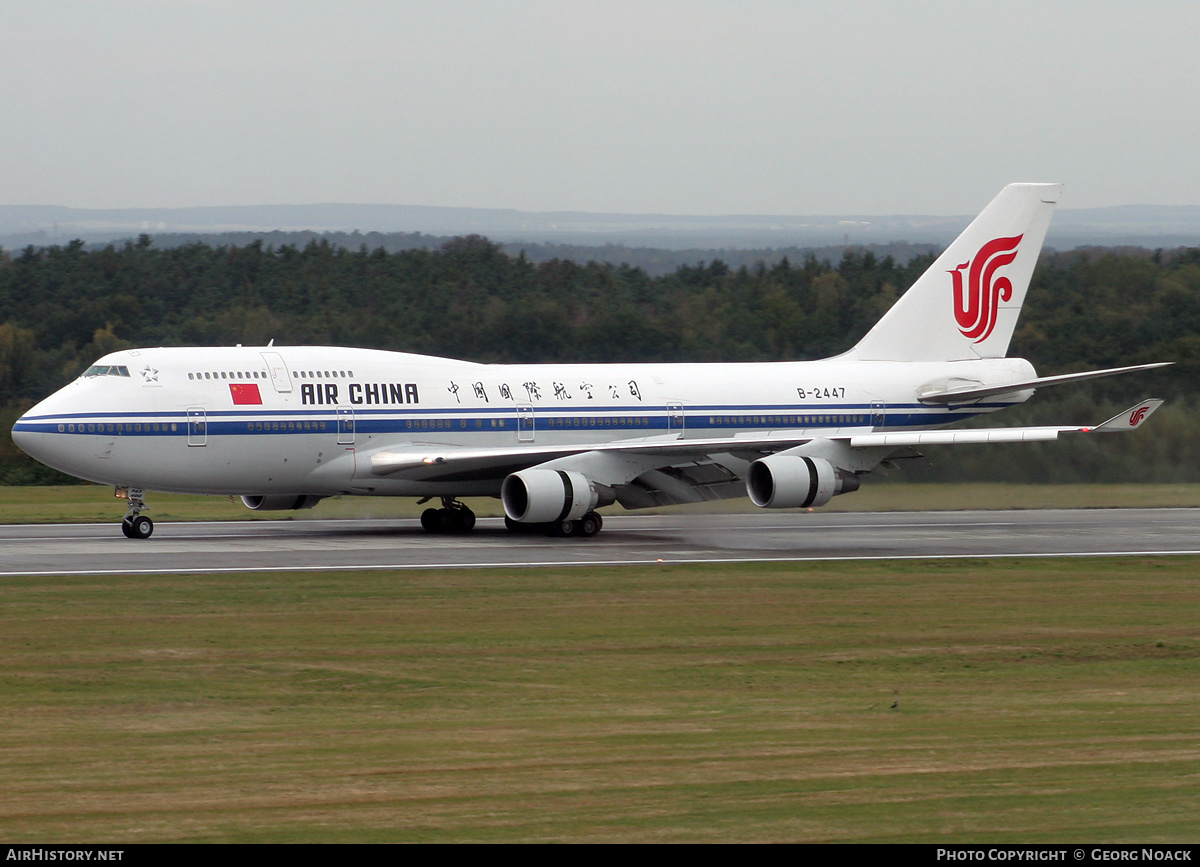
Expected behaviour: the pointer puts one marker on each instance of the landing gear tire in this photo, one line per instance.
(445, 521)
(561, 529)
(463, 520)
(453, 517)
(589, 525)
(140, 527)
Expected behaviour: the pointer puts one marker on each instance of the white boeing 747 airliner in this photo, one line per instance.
(285, 426)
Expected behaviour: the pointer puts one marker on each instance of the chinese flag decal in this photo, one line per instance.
(245, 393)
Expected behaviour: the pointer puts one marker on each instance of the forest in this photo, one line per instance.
(61, 307)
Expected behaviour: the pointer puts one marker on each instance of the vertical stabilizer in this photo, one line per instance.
(966, 305)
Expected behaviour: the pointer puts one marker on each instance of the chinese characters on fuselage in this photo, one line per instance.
(395, 393)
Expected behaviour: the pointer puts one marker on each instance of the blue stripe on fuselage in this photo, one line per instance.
(487, 419)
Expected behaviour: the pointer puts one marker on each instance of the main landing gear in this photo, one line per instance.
(589, 525)
(135, 525)
(455, 517)
(452, 517)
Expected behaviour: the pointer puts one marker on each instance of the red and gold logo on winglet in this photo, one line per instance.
(245, 394)
(975, 305)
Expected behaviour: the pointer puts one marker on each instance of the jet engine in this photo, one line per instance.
(541, 496)
(787, 481)
(280, 502)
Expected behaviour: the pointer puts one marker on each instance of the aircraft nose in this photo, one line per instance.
(25, 434)
(38, 434)
(19, 435)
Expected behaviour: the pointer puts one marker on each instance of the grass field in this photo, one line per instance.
(1045, 700)
(90, 503)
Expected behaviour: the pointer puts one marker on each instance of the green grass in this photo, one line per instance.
(94, 503)
(1046, 700)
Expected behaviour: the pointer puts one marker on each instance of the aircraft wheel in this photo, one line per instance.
(139, 528)
(561, 529)
(431, 521)
(464, 520)
(447, 521)
(589, 525)
(456, 520)
(516, 526)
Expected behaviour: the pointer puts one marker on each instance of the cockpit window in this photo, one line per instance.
(107, 370)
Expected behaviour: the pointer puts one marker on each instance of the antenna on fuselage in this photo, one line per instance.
(271, 342)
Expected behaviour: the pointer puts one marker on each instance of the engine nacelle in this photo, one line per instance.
(541, 496)
(789, 481)
(280, 502)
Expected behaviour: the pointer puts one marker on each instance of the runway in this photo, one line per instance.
(312, 544)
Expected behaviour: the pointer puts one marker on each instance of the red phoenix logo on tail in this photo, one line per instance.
(975, 306)
(1137, 415)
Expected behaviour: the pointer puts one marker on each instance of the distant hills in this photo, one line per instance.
(1133, 225)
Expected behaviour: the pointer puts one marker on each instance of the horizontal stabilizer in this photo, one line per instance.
(970, 393)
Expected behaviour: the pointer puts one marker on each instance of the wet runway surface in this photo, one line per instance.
(626, 539)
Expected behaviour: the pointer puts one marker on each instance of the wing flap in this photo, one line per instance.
(959, 437)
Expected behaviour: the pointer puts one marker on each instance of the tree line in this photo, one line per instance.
(61, 307)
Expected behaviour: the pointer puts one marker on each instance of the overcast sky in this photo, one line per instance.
(697, 107)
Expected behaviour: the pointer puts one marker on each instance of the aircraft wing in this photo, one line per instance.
(434, 456)
(434, 461)
(1128, 420)
(665, 470)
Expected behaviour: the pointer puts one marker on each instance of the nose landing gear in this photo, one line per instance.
(135, 525)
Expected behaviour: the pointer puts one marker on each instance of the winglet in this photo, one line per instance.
(1130, 419)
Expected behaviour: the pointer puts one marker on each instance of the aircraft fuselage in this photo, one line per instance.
(307, 420)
